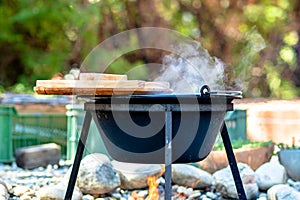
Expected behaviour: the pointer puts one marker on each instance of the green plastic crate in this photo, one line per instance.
(20, 130)
(236, 122)
(94, 143)
(6, 116)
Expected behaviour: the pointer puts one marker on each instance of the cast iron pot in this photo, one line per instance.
(133, 127)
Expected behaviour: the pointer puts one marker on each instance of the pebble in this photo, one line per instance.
(116, 195)
(180, 189)
(211, 195)
(262, 198)
(24, 184)
(88, 197)
(195, 195)
(204, 197)
(25, 197)
(294, 184)
(19, 190)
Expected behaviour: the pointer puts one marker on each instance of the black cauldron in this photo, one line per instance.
(133, 126)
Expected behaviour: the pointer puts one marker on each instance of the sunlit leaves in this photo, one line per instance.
(288, 55)
(274, 14)
(48, 36)
(253, 12)
(285, 4)
(280, 88)
(291, 38)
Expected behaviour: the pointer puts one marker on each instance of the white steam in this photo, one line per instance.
(189, 67)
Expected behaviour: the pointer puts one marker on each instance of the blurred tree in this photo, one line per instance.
(257, 39)
(41, 38)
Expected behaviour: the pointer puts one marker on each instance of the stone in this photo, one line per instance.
(20, 190)
(225, 184)
(254, 157)
(88, 197)
(204, 197)
(211, 195)
(294, 184)
(3, 190)
(190, 176)
(134, 176)
(30, 193)
(282, 192)
(25, 197)
(96, 175)
(195, 195)
(262, 198)
(57, 192)
(265, 179)
(185, 191)
(290, 159)
(38, 156)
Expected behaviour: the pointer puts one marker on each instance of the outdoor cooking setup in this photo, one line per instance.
(143, 122)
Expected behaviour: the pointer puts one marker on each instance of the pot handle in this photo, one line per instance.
(204, 90)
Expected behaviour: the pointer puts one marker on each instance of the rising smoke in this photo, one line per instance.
(189, 67)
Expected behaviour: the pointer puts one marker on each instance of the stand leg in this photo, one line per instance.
(78, 156)
(232, 163)
(168, 155)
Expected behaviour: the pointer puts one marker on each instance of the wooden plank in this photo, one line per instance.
(90, 84)
(100, 87)
(101, 76)
(99, 91)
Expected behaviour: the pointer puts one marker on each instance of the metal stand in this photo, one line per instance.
(78, 156)
(168, 157)
(168, 154)
(232, 163)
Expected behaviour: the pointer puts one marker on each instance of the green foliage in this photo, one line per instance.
(286, 146)
(257, 40)
(242, 144)
(272, 21)
(134, 71)
(40, 35)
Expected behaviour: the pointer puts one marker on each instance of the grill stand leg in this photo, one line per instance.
(78, 156)
(232, 163)
(168, 154)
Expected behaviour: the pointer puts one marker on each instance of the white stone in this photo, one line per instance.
(226, 186)
(283, 192)
(3, 190)
(57, 192)
(262, 198)
(211, 195)
(195, 195)
(134, 176)
(96, 175)
(294, 184)
(190, 176)
(25, 197)
(20, 190)
(88, 197)
(270, 174)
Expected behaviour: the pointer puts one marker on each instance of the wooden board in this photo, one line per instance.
(102, 87)
(89, 84)
(101, 76)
